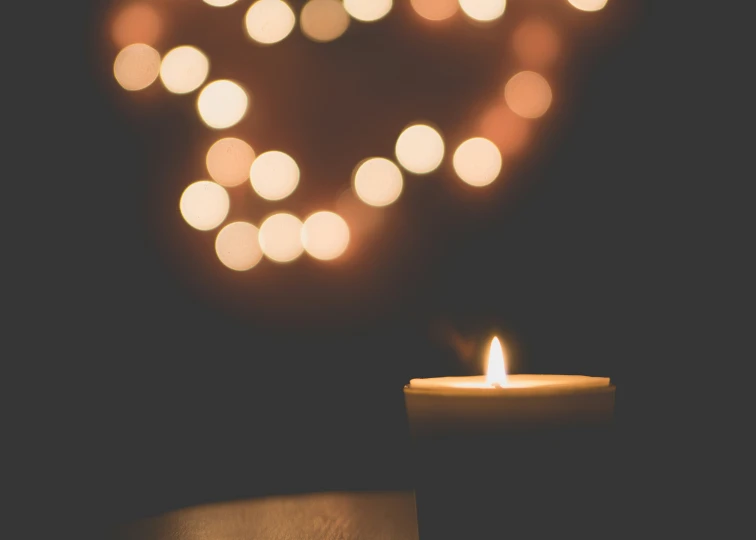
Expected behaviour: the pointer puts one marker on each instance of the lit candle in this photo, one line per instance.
(521, 456)
(498, 399)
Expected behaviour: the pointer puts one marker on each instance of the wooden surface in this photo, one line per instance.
(325, 516)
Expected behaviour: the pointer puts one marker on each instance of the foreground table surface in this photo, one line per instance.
(323, 516)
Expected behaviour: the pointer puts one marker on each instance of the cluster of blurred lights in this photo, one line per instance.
(282, 237)
(502, 131)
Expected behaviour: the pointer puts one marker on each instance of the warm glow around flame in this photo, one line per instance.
(496, 373)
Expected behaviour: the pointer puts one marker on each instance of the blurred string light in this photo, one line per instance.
(368, 10)
(420, 149)
(324, 20)
(588, 5)
(281, 237)
(184, 69)
(274, 175)
(222, 104)
(435, 10)
(378, 182)
(504, 128)
(536, 43)
(220, 3)
(325, 235)
(137, 66)
(138, 22)
(204, 205)
(528, 94)
(238, 247)
(269, 21)
(508, 131)
(477, 161)
(228, 161)
(483, 10)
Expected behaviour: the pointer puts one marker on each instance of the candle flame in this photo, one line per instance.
(496, 373)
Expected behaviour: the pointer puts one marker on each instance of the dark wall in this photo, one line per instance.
(192, 385)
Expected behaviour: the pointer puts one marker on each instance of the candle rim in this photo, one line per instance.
(566, 384)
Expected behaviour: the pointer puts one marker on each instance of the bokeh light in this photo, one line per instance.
(378, 181)
(477, 161)
(325, 235)
(204, 205)
(483, 10)
(528, 94)
(137, 23)
(536, 43)
(435, 10)
(220, 3)
(137, 66)
(508, 131)
(269, 21)
(368, 10)
(222, 104)
(323, 20)
(274, 175)
(238, 246)
(281, 237)
(588, 5)
(184, 69)
(228, 161)
(504, 129)
(420, 149)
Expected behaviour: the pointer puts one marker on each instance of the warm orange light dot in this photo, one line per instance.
(323, 20)
(508, 131)
(536, 43)
(137, 23)
(238, 247)
(435, 10)
(228, 161)
(325, 235)
(136, 67)
(528, 94)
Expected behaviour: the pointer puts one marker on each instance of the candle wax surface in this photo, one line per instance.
(515, 383)
(456, 404)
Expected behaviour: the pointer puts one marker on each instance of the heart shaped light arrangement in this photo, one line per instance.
(274, 175)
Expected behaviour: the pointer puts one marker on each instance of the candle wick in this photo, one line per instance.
(497, 385)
